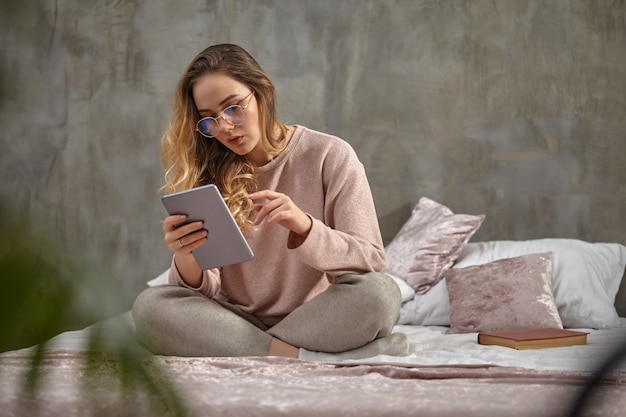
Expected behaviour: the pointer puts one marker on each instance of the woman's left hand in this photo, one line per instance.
(278, 208)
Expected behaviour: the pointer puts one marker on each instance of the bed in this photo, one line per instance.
(452, 288)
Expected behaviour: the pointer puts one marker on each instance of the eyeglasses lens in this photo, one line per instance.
(235, 115)
(207, 126)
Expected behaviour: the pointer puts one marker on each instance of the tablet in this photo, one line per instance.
(225, 243)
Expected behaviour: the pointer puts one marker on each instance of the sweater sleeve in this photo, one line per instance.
(211, 281)
(348, 239)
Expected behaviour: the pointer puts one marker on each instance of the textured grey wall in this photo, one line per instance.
(515, 109)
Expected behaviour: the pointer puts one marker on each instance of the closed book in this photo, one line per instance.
(533, 338)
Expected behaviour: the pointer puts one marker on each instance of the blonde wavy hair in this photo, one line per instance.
(191, 160)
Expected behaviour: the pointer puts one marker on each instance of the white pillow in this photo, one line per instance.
(586, 278)
(430, 309)
(160, 280)
(405, 289)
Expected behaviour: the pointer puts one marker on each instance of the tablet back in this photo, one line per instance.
(225, 243)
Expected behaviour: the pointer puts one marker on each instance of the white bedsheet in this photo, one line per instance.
(430, 346)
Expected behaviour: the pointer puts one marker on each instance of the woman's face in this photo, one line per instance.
(214, 92)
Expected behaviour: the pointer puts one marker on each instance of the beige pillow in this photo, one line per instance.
(507, 294)
(429, 243)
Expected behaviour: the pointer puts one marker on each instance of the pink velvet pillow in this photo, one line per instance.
(507, 294)
(428, 244)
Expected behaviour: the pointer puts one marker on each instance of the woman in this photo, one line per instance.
(304, 204)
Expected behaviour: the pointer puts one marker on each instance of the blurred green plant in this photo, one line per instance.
(41, 286)
(35, 288)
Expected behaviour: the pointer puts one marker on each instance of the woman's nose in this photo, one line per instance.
(224, 125)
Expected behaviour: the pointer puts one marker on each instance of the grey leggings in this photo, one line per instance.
(356, 309)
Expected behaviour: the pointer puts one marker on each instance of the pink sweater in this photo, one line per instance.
(323, 176)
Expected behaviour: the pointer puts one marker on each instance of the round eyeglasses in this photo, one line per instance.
(235, 115)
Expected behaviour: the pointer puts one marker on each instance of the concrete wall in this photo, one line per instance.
(512, 108)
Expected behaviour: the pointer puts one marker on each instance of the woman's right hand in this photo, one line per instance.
(182, 240)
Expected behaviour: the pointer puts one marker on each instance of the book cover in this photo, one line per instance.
(533, 338)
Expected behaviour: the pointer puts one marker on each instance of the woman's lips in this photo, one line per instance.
(235, 140)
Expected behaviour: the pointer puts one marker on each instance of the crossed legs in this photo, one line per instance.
(351, 313)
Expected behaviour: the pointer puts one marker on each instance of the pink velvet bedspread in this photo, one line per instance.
(281, 387)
